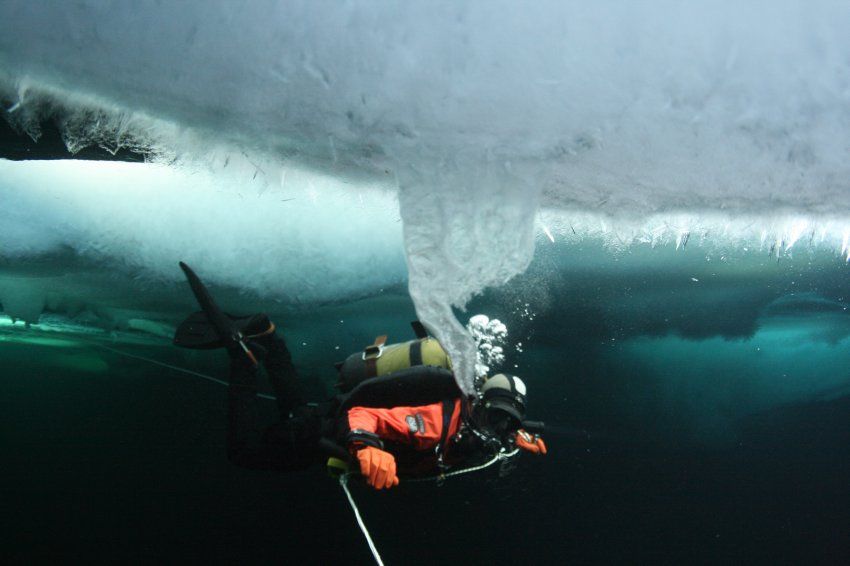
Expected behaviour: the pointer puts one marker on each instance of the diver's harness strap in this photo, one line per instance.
(415, 353)
(440, 449)
(372, 353)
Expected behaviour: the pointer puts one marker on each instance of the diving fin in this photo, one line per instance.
(196, 332)
(228, 333)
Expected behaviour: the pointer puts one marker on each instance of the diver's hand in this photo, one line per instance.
(530, 442)
(378, 467)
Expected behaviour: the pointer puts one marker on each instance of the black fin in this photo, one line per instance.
(226, 330)
(197, 333)
(220, 323)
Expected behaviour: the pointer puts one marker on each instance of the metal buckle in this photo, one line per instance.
(377, 350)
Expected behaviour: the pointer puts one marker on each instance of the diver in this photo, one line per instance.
(399, 414)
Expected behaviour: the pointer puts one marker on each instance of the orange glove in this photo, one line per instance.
(530, 442)
(378, 467)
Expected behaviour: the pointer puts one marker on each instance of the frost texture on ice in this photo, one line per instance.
(474, 112)
(305, 243)
(637, 107)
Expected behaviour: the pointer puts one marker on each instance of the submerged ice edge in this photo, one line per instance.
(777, 233)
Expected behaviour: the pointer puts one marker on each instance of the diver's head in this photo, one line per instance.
(501, 406)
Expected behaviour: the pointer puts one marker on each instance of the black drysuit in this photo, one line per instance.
(291, 443)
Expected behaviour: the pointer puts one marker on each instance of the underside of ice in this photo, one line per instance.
(284, 134)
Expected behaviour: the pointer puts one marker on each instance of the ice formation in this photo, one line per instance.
(618, 119)
(306, 241)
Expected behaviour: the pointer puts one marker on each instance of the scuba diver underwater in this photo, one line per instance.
(399, 412)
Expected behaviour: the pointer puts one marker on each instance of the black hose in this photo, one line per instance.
(534, 427)
(331, 448)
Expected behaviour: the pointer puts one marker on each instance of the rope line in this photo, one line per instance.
(169, 366)
(343, 481)
(502, 455)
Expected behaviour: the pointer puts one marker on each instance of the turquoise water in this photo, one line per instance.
(687, 419)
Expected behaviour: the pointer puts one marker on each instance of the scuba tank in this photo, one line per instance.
(380, 359)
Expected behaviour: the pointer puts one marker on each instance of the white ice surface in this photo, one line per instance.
(311, 240)
(476, 111)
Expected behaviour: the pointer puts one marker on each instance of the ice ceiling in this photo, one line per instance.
(485, 121)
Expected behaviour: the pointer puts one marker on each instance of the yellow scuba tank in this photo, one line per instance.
(380, 358)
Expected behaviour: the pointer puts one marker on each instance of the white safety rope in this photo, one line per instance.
(501, 455)
(343, 481)
(169, 366)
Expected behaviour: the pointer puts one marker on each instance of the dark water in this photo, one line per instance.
(691, 422)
